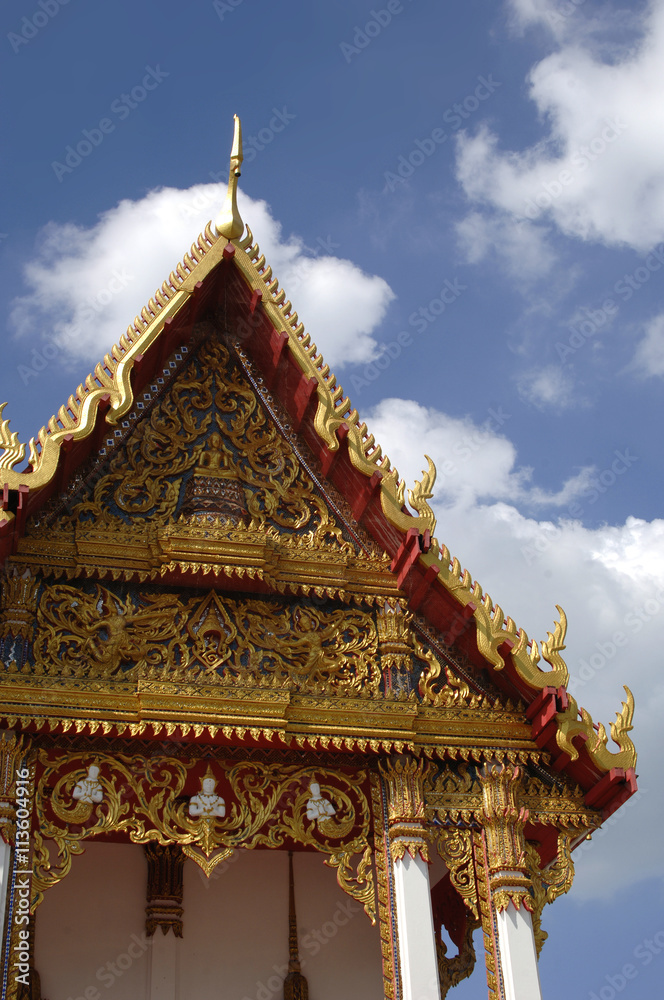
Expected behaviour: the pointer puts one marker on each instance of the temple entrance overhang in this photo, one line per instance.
(417, 845)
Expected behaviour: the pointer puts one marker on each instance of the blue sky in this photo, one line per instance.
(465, 202)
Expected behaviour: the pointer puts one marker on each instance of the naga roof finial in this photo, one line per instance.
(229, 222)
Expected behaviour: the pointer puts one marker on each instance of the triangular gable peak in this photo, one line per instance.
(222, 308)
(204, 481)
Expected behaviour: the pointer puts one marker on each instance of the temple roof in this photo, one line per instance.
(225, 271)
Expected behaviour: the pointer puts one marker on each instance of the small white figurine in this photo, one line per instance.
(318, 808)
(89, 789)
(207, 802)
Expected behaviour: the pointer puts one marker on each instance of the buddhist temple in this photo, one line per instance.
(261, 736)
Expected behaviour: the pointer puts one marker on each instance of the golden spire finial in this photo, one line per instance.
(229, 222)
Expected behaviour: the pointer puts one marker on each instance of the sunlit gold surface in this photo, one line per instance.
(229, 222)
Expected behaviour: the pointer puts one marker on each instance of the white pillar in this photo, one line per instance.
(163, 967)
(518, 954)
(5, 878)
(417, 945)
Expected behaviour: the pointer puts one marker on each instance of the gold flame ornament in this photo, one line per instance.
(229, 223)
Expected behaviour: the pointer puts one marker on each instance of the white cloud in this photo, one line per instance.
(473, 462)
(86, 285)
(649, 357)
(565, 18)
(547, 388)
(521, 248)
(528, 13)
(597, 174)
(610, 580)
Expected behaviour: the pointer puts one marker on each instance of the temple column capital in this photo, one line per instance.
(509, 903)
(404, 780)
(504, 821)
(403, 777)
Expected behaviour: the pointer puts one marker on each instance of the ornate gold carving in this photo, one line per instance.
(359, 883)
(210, 408)
(14, 451)
(18, 603)
(550, 882)
(154, 511)
(487, 915)
(146, 800)
(595, 741)
(395, 645)
(504, 822)
(164, 888)
(455, 847)
(404, 780)
(495, 631)
(94, 634)
(296, 646)
(10, 747)
(386, 920)
(439, 687)
(421, 492)
(454, 795)
(451, 971)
